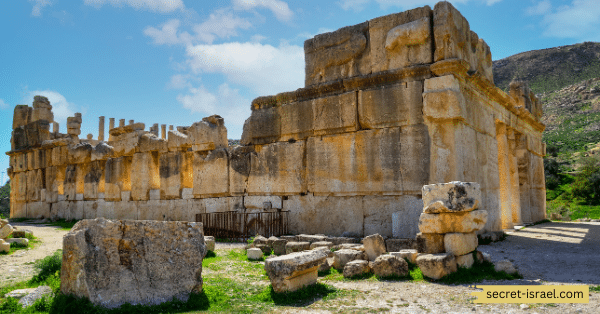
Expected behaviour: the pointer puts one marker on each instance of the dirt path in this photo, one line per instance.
(19, 265)
(546, 254)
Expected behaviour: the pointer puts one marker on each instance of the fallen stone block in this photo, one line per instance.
(210, 243)
(293, 271)
(326, 244)
(19, 241)
(3, 222)
(451, 197)
(21, 233)
(279, 246)
(341, 240)
(351, 246)
(325, 249)
(374, 246)
(464, 222)
(326, 266)
(272, 239)
(260, 240)
(344, 256)
(465, 261)
(28, 296)
(292, 247)
(409, 255)
(460, 243)
(254, 254)
(289, 238)
(505, 266)
(389, 265)
(4, 246)
(5, 231)
(436, 266)
(356, 268)
(396, 245)
(311, 238)
(431, 243)
(266, 249)
(112, 262)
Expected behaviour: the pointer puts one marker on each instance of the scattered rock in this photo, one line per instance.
(356, 268)
(292, 247)
(389, 265)
(506, 266)
(396, 245)
(436, 266)
(326, 266)
(254, 254)
(344, 256)
(5, 231)
(311, 238)
(464, 222)
(374, 246)
(210, 243)
(289, 238)
(409, 255)
(293, 271)
(279, 246)
(34, 295)
(326, 244)
(4, 246)
(19, 241)
(260, 240)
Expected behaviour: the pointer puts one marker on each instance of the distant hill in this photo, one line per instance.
(550, 69)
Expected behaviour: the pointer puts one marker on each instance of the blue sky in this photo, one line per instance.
(177, 61)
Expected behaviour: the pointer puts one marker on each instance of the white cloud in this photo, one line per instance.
(279, 8)
(167, 34)
(3, 105)
(227, 102)
(220, 24)
(162, 6)
(60, 106)
(179, 81)
(541, 8)
(265, 69)
(580, 20)
(38, 6)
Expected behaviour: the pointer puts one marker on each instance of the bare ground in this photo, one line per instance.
(546, 254)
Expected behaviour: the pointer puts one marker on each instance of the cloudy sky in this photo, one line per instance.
(177, 61)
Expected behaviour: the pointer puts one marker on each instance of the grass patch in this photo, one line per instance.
(595, 288)
(33, 241)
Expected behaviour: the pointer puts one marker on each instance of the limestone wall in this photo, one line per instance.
(390, 105)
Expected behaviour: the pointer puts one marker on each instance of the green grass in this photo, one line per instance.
(595, 288)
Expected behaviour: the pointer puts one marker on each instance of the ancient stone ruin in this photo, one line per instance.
(390, 105)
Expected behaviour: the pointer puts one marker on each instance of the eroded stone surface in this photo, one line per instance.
(356, 268)
(451, 197)
(389, 265)
(293, 271)
(436, 266)
(112, 262)
(464, 222)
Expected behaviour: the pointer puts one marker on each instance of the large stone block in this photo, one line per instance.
(21, 116)
(321, 214)
(170, 174)
(263, 202)
(405, 217)
(297, 120)
(451, 197)
(436, 266)
(294, 271)
(339, 54)
(208, 134)
(126, 144)
(144, 168)
(117, 177)
(211, 176)
(443, 100)
(390, 161)
(397, 245)
(389, 265)
(374, 246)
(239, 169)
(115, 262)
(454, 39)
(460, 243)
(464, 222)
(335, 114)
(344, 256)
(93, 181)
(356, 268)
(430, 243)
(262, 127)
(391, 105)
(277, 169)
(401, 39)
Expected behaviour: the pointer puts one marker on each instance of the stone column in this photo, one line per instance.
(514, 177)
(131, 122)
(523, 162)
(154, 129)
(55, 127)
(111, 125)
(504, 174)
(163, 129)
(170, 128)
(101, 128)
(121, 122)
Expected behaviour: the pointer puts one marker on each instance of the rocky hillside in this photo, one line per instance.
(550, 69)
(572, 117)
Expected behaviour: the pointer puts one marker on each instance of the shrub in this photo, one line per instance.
(48, 266)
